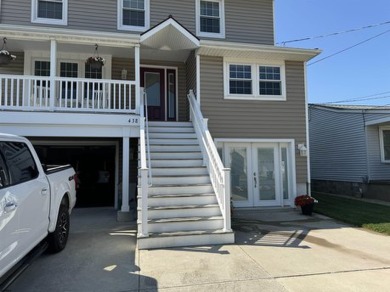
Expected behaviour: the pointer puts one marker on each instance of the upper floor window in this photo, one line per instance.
(210, 18)
(133, 15)
(254, 81)
(49, 11)
(385, 144)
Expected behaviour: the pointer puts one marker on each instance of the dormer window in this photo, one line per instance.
(133, 15)
(49, 11)
(210, 18)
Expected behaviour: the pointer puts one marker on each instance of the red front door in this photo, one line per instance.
(153, 81)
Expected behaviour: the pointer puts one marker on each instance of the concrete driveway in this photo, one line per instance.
(275, 250)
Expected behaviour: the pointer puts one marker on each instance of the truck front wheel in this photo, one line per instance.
(58, 238)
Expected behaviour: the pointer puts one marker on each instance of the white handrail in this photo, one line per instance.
(143, 170)
(219, 176)
(145, 98)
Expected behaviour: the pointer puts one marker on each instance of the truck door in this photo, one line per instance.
(8, 219)
(29, 189)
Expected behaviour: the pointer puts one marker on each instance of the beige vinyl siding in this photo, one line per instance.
(249, 21)
(255, 119)
(183, 11)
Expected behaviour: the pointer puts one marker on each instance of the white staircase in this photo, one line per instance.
(182, 207)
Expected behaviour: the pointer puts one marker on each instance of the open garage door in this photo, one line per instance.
(94, 165)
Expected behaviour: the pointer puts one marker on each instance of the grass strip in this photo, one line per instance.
(360, 213)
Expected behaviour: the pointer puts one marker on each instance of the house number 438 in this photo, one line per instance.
(133, 121)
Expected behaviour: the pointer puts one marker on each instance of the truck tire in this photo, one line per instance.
(58, 238)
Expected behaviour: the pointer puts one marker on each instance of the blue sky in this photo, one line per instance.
(363, 71)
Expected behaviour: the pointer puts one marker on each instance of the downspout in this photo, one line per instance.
(308, 182)
(366, 180)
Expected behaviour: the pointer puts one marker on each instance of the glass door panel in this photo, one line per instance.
(152, 88)
(266, 173)
(237, 160)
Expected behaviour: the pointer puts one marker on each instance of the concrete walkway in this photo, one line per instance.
(275, 250)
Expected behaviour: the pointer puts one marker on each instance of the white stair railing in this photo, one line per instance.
(220, 176)
(144, 170)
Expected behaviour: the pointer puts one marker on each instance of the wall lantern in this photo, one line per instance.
(302, 149)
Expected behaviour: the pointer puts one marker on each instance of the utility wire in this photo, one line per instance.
(366, 97)
(351, 47)
(334, 33)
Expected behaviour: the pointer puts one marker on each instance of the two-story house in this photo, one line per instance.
(194, 104)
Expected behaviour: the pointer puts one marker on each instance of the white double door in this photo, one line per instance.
(260, 173)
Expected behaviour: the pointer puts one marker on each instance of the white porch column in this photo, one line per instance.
(124, 214)
(137, 77)
(53, 70)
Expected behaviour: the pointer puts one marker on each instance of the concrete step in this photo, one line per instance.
(171, 135)
(185, 224)
(176, 163)
(170, 124)
(171, 148)
(182, 211)
(188, 238)
(161, 200)
(175, 155)
(168, 171)
(180, 189)
(168, 141)
(157, 129)
(181, 179)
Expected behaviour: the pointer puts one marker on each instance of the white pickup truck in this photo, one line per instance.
(35, 201)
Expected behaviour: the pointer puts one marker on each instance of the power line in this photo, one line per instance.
(361, 98)
(351, 47)
(334, 33)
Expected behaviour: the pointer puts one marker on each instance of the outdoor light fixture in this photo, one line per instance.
(124, 74)
(302, 149)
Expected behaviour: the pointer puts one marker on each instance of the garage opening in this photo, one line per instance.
(95, 167)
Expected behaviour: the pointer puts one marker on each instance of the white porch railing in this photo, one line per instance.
(220, 176)
(145, 166)
(21, 92)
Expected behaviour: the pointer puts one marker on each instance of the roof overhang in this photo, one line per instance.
(169, 35)
(253, 51)
(378, 121)
(76, 37)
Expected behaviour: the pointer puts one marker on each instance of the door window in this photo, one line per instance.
(21, 164)
(4, 175)
(266, 174)
(152, 88)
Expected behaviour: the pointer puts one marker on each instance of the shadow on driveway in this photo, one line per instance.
(100, 256)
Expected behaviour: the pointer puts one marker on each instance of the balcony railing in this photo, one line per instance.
(21, 92)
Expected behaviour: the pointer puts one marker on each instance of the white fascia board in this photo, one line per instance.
(68, 36)
(304, 54)
(378, 121)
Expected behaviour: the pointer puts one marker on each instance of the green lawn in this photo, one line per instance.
(359, 213)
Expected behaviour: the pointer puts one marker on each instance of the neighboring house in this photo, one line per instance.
(207, 67)
(350, 150)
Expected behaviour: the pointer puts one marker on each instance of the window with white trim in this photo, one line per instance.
(49, 11)
(210, 18)
(240, 79)
(245, 80)
(385, 144)
(133, 15)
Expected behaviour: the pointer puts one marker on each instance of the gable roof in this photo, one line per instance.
(169, 35)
